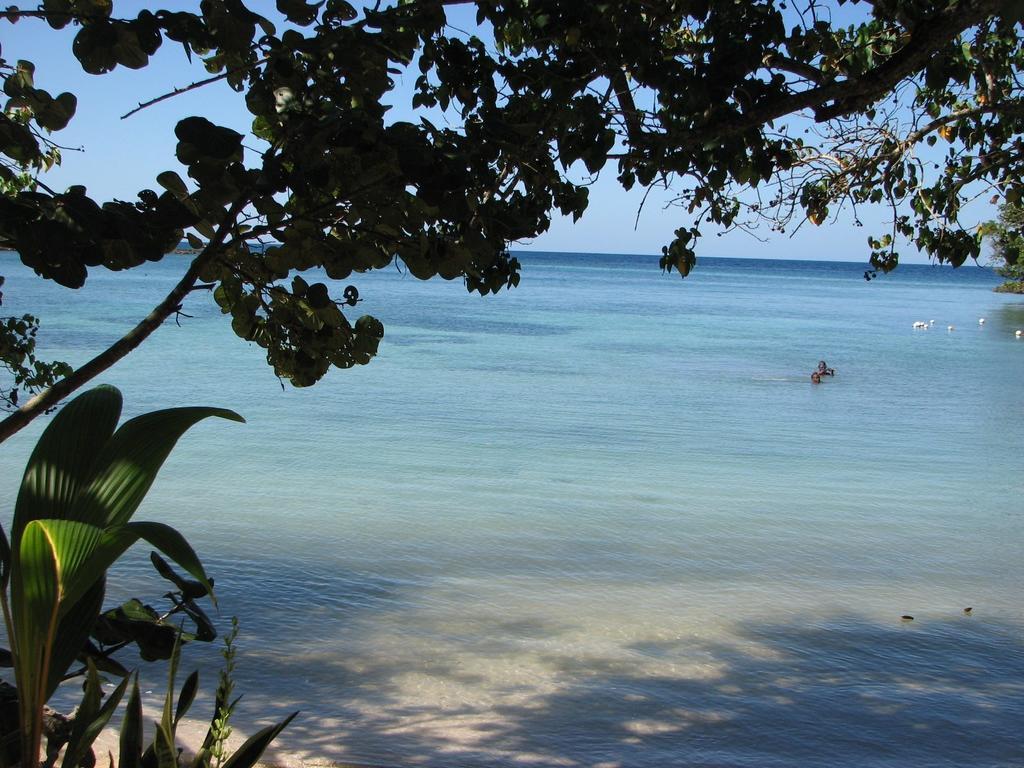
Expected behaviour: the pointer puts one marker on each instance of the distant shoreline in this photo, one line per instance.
(187, 250)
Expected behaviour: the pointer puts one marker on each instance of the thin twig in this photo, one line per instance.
(193, 86)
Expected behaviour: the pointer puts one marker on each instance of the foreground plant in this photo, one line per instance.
(72, 520)
(162, 752)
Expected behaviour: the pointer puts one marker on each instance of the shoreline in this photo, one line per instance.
(191, 732)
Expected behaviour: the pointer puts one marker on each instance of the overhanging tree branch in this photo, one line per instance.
(119, 349)
(847, 96)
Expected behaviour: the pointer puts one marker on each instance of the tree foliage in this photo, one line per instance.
(765, 113)
(1007, 238)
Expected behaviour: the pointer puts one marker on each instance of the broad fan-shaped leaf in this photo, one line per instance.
(52, 553)
(82, 485)
(56, 596)
(129, 463)
(36, 588)
(60, 560)
(64, 458)
(73, 630)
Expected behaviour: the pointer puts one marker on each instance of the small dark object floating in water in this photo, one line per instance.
(907, 617)
(968, 610)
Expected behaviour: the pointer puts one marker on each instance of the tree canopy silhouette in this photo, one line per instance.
(766, 113)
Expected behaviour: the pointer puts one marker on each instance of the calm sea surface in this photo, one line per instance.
(605, 519)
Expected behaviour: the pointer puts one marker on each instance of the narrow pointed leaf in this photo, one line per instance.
(92, 696)
(190, 590)
(163, 746)
(187, 696)
(63, 460)
(175, 546)
(167, 721)
(130, 743)
(88, 724)
(131, 460)
(205, 631)
(254, 747)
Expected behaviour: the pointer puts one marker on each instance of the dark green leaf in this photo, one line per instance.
(187, 696)
(64, 458)
(130, 751)
(172, 182)
(297, 12)
(87, 725)
(250, 752)
(130, 461)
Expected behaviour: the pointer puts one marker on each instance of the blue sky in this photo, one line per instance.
(121, 157)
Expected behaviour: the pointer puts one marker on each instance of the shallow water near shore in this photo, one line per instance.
(604, 519)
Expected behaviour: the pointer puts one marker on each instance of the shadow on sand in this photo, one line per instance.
(836, 691)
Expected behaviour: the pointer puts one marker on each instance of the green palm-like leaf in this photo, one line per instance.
(36, 593)
(57, 593)
(131, 459)
(83, 483)
(73, 632)
(33, 621)
(36, 588)
(72, 547)
(64, 458)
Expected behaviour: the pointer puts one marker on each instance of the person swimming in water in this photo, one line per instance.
(824, 370)
(815, 378)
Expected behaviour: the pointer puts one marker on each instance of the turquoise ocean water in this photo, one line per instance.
(605, 519)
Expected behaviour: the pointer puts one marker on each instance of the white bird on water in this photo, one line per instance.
(981, 321)
(950, 328)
